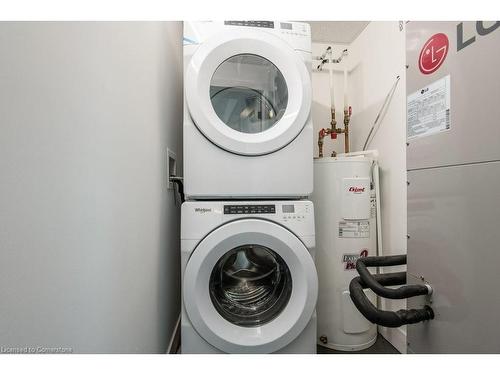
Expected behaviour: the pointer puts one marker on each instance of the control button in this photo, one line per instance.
(249, 209)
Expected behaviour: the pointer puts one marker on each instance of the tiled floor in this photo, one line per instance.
(381, 346)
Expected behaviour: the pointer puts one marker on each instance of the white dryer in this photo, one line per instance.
(247, 110)
(249, 284)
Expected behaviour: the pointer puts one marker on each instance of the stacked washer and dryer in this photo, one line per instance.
(249, 283)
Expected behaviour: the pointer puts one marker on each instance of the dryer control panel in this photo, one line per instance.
(297, 34)
(268, 24)
(286, 28)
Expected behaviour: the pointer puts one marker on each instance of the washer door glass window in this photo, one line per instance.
(248, 93)
(237, 287)
(250, 285)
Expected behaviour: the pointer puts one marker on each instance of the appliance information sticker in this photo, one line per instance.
(354, 229)
(428, 110)
(373, 207)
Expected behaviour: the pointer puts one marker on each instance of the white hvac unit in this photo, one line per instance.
(346, 215)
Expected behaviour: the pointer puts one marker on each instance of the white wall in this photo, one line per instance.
(321, 98)
(89, 246)
(376, 57)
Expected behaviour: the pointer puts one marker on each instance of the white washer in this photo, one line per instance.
(249, 284)
(247, 110)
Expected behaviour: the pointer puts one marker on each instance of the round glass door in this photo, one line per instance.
(237, 287)
(250, 285)
(248, 93)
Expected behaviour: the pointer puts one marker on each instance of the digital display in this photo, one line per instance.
(288, 208)
(286, 26)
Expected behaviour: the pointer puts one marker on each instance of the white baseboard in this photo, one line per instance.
(396, 336)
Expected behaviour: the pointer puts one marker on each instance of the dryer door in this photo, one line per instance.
(248, 92)
(250, 286)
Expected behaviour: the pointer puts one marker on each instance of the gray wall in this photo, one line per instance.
(89, 246)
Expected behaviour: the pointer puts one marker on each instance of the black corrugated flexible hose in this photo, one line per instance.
(377, 283)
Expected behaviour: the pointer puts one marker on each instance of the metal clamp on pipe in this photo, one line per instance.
(378, 284)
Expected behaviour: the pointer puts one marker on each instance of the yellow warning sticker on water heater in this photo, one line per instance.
(354, 229)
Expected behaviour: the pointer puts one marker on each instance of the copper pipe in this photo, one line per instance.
(333, 122)
(333, 131)
(321, 135)
(347, 118)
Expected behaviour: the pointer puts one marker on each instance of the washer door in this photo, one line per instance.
(248, 92)
(250, 286)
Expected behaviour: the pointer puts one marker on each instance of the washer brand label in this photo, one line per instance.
(202, 210)
(349, 260)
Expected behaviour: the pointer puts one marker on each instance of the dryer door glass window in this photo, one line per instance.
(248, 93)
(250, 285)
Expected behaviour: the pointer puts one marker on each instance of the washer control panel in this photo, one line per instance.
(246, 209)
(200, 217)
(283, 211)
(294, 212)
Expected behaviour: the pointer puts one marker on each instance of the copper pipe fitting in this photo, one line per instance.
(333, 131)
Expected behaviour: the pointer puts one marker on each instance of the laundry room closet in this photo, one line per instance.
(212, 185)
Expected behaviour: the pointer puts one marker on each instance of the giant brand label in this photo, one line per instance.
(357, 189)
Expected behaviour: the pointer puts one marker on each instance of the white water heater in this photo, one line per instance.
(345, 207)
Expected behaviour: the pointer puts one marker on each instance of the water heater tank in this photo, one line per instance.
(345, 216)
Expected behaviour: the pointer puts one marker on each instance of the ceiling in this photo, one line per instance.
(343, 32)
